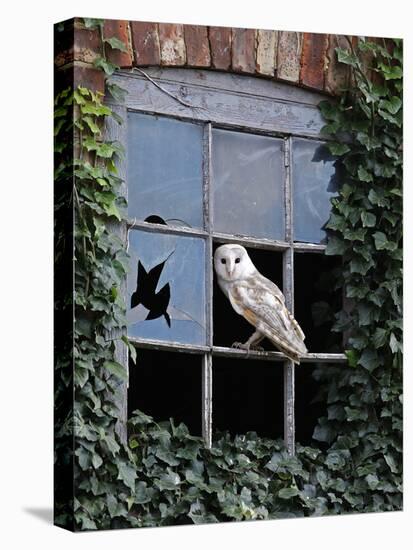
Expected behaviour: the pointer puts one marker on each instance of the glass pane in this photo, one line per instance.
(248, 182)
(166, 288)
(165, 170)
(314, 183)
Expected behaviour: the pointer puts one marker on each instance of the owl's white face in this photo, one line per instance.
(232, 262)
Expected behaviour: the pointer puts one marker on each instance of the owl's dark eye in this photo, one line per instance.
(237, 260)
(223, 261)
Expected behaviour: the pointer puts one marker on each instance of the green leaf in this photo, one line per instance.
(338, 149)
(368, 219)
(106, 66)
(381, 242)
(288, 492)
(379, 337)
(346, 57)
(116, 91)
(364, 175)
(127, 473)
(372, 481)
(131, 348)
(352, 357)
(369, 360)
(116, 369)
(393, 104)
(116, 44)
(168, 481)
(335, 246)
(395, 345)
(92, 23)
(391, 463)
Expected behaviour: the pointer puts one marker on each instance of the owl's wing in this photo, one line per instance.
(262, 303)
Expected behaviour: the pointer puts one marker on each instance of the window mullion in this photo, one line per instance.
(209, 279)
(288, 289)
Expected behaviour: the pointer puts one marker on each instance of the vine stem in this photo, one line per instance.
(164, 90)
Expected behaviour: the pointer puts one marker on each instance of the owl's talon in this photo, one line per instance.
(240, 345)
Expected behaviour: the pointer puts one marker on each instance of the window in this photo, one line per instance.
(215, 158)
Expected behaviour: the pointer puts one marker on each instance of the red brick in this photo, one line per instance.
(220, 39)
(89, 77)
(289, 55)
(87, 44)
(113, 28)
(313, 60)
(243, 50)
(145, 40)
(197, 46)
(337, 74)
(171, 38)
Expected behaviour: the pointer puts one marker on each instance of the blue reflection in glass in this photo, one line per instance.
(315, 181)
(248, 184)
(165, 170)
(169, 289)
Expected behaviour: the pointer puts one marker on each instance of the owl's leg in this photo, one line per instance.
(251, 343)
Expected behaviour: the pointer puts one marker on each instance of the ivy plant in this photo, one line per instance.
(163, 475)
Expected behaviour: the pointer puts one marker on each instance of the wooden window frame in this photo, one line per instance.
(241, 103)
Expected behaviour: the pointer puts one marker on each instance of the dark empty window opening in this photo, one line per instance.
(248, 396)
(165, 385)
(315, 300)
(308, 407)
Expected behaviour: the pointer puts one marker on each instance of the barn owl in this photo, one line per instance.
(259, 300)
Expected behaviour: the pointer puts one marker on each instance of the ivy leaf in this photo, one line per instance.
(393, 104)
(335, 246)
(379, 337)
(116, 369)
(131, 348)
(92, 23)
(127, 473)
(368, 219)
(381, 242)
(395, 345)
(352, 357)
(338, 149)
(369, 360)
(345, 56)
(288, 492)
(364, 175)
(116, 91)
(116, 44)
(108, 67)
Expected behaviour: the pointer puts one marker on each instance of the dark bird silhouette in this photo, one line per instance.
(156, 302)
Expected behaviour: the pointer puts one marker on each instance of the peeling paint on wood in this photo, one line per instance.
(171, 38)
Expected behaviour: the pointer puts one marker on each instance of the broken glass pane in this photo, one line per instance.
(166, 288)
(164, 170)
(248, 182)
(314, 183)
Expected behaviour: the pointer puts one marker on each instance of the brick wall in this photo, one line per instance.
(302, 59)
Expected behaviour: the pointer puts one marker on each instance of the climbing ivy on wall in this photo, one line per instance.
(163, 475)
